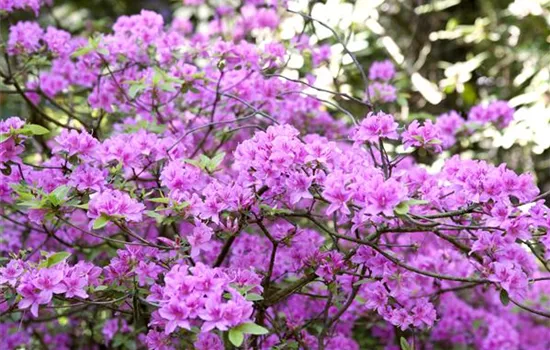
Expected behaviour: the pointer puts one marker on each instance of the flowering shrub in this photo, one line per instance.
(172, 188)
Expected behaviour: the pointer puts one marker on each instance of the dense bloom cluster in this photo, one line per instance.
(174, 189)
(380, 89)
(498, 112)
(14, 5)
(197, 293)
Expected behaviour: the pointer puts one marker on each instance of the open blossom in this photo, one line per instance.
(11, 272)
(177, 316)
(87, 177)
(200, 238)
(12, 5)
(116, 204)
(385, 196)
(425, 136)
(423, 313)
(24, 37)
(73, 142)
(208, 341)
(381, 70)
(11, 123)
(449, 124)
(57, 40)
(498, 112)
(510, 278)
(375, 126)
(382, 92)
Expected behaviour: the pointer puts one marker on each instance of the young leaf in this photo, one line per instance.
(215, 162)
(236, 337)
(164, 200)
(404, 344)
(100, 222)
(135, 89)
(252, 328)
(36, 129)
(401, 209)
(60, 193)
(4, 137)
(254, 297)
(504, 298)
(81, 52)
(56, 258)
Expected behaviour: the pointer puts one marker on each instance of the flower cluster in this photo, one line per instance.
(175, 189)
(498, 113)
(380, 74)
(198, 294)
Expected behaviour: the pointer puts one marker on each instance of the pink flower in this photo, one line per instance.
(176, 313)
(200, 238)
(426, 136)
(72, 142)
(374, 127)
(115, 203)
(11, 273)
(381, 70)
(24, 38)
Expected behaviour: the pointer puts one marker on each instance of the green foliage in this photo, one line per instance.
(236, 334)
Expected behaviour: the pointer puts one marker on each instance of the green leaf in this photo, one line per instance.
(363, 281)
(236, 337)
(55, 259)
(167, 87)
(135, 89)
(404, 344)
(60, 193)
(164, 200)
(103, 51)
(82, 51)
(504, 297)
(4, 137)
(416, 202)
(252, 328)
(82, 206)
(152, 214)
(401, 209)
(215, 162)
(33, 204)
(254, 297)
(36, 129)
(100, 222)
(478, 322)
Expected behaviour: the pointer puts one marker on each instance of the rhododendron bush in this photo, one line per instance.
(173, 188)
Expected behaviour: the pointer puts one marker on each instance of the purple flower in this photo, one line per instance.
(24, 38)
(176, 313)
(72, 142)
(498, 112)
(115, 203)
(382, 92)
(384, 196)
(86, 177)
(423, 313)
(158, 341)
(208, 341)
(375, 126)
(425, 136)
(200, 238)
(11, 273)
(381, 70)
(449, 124)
